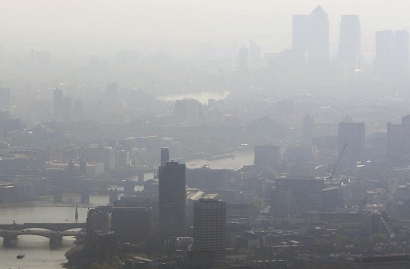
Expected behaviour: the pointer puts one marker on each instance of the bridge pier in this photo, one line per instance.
(55, 240)
(7, 239)
(85, 198)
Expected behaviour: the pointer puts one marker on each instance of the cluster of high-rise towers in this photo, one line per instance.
(209, 216)
(310, 39)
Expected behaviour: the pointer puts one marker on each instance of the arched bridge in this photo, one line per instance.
(55, 237)
(56, 227)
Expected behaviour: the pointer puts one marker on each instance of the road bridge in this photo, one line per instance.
(55, 227)
(55, 237)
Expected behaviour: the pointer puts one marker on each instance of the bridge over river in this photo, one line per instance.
(54, 231)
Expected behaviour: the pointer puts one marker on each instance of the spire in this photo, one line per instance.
(76, 213)
(318, 10)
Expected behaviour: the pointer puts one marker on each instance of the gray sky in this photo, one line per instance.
(107, 26)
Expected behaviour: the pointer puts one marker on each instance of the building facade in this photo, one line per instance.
(172, 200)
(210, 227)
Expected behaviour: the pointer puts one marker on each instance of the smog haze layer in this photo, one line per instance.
(177, 27)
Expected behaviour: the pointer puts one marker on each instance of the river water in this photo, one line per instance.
(38, 253)
(201, 97)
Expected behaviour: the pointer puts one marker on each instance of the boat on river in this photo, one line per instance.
(21, 256)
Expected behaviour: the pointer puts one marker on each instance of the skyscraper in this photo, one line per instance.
(318, 50)
(172, 199)
(209, 227)
(164, 156)
(398, 141)
(350, 41)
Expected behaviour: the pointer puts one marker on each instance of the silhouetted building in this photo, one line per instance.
(350, 42)
(164, 156)
(332, 198)
(210, 227)
(188, 110)
(208, 179)
(132, 224)
(351, 136)
(98, 220)
(398, 141)
(172, 200)
(105, 155)
(297, 195)
(243, 60)
(318, 50)
(266, 155)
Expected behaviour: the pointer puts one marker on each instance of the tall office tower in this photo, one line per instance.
(266, 155)
(164, 156)
(307, 131)
(351, 138)
(58, 104)
(318, 50)
(350, 41)
(401, 54)
(398, 141)
(172, 199)
(300, 34)
(4, 99)
(384, 61)
(209, 227)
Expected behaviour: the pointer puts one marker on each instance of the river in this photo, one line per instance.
(201, 97)
(38, 253)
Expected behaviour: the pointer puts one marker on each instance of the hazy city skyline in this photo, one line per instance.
(77, 27)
